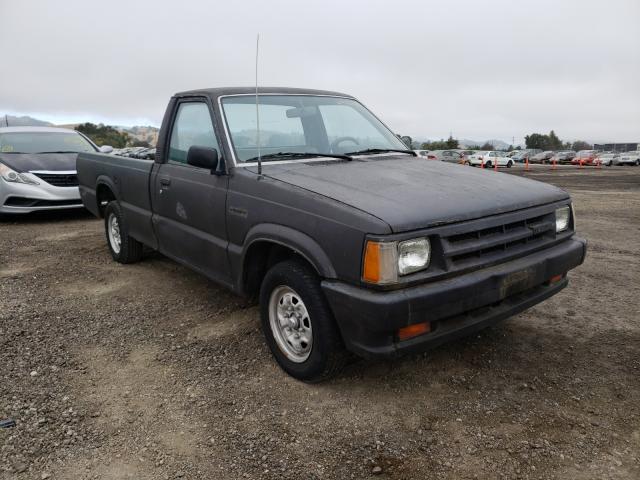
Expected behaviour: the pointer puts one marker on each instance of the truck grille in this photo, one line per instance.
(59, 179)
(496, 242)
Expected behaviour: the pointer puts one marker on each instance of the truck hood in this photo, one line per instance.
(25, 162)
(410, 193)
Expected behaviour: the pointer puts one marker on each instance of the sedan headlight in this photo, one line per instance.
(385, 261)
(10, 175)
(563, 216)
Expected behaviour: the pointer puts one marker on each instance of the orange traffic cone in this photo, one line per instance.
(553, 164)
(598, 164)
(526, 163)
(581, 163)
(481, 162)
(495, 165)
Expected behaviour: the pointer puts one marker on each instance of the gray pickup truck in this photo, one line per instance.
(350, 242)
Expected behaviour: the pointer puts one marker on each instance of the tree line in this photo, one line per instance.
(548, 141)
(107, 135)
(552, 142)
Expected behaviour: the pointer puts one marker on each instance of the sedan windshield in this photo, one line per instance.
(44, 142)
(292, 126)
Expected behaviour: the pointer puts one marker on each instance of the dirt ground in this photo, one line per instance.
(150, 371)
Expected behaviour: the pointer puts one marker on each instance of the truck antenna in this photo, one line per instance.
(257, 110)
(6, 119)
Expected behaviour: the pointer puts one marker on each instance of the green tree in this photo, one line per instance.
(487, 146)
(553, 142)
(104, 135)
(581, 145)
(452, 142)
(536, 140)
(448, 144)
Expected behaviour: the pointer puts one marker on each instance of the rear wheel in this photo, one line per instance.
(298, 324)
(123, 248)
(509, 164)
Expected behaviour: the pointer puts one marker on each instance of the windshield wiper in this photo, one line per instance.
(59, 151)
(380, 150)
(273, 156)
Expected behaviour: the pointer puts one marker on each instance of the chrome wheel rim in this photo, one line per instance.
(113, 230)
(290, 324)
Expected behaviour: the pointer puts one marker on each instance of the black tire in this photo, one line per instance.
(328, 355)
(130, 249)
(509, 164)
(487, 164)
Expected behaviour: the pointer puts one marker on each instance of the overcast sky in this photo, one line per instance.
(478, 69)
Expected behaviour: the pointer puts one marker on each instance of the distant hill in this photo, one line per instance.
(147, 133)
(23, 121)
(497, 144)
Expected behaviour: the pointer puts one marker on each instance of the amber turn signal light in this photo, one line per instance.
(555, 278)
(371, 271)
(414, 330)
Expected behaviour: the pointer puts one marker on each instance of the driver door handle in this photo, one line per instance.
(165, 181)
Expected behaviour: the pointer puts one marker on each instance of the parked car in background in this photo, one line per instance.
(628, 158)
(490, 158)
(542, 157)
(608, 159)
(522, 155)
(563, 156)
(611, 158)
(585, 157)
(38, 168)
(421, 153)
(347, 239)
(451, 156)
(465, 155)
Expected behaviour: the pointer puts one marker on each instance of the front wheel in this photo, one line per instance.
(298, 324)
(123, 248)
(509, 164)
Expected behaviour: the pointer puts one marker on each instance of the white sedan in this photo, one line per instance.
(628, 158)
(490, 158)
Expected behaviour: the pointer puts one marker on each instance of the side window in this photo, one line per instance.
(192, 126)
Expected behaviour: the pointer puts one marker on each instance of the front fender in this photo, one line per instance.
(299, 242)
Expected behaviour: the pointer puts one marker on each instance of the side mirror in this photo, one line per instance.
(202, 157)
(106, 149)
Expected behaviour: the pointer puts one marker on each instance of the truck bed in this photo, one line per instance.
(128, 179)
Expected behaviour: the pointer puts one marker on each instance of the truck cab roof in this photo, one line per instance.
(224, 91)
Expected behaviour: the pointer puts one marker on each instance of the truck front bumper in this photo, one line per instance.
(369, 320)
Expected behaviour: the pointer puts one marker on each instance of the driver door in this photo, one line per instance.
(189, 202)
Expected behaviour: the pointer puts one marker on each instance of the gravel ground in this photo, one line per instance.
(150, 371)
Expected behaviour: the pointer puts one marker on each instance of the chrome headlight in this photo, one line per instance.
(385, 261)
(10, 175)
(413, 255)
(563, 216)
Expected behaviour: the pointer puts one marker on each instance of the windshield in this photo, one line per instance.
(43, 142)
(303, 124)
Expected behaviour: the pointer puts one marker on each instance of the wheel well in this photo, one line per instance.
(103, 196)
(260, 257)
